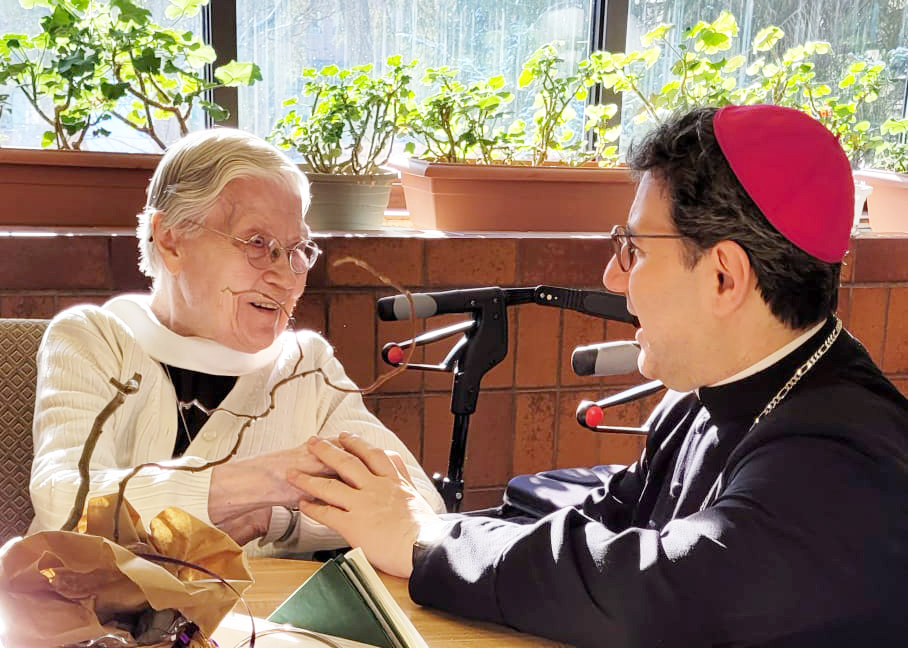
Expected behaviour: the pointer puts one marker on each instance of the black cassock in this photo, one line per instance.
(793, 533)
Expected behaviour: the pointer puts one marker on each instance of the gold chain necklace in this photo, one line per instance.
(799, 373)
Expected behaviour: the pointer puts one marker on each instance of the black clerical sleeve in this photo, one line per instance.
(778, 559)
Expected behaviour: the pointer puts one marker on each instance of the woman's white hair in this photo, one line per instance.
(193, 172)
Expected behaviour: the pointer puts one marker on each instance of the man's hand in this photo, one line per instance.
(373, 505)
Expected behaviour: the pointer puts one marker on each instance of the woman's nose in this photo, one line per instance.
(281, 274)
(613, 277)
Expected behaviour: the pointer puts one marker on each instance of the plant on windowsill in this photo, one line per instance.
(344, 135)
(473, 169)
(887, 204)
(93, 65)
(704, 75)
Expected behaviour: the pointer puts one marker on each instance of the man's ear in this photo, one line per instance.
(734, 280)
(167, 243)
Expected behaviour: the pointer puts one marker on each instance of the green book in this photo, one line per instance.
(346, 598)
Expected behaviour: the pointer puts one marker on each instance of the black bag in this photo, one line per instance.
(538, 495)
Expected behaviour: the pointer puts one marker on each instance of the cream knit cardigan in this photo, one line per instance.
(85, 346)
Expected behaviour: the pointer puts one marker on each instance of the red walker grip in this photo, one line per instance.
(395, 355)
(594, 416)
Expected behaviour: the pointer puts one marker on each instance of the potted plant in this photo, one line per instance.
(887, 204)
(475, 170)
(344, 137)
(91, 65)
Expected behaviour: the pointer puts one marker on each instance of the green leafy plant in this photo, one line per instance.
(698, 76)
(704, 75)
(843, 115)
(97, 61)
(891, 153)
(702, 72)
(556, 94)
(459, 122)
(351, 117)
(784, 79)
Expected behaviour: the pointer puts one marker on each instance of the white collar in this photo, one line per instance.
(193, 353)
(773, 357)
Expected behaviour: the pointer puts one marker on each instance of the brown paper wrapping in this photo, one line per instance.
(56, 585)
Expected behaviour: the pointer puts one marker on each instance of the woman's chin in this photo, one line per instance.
(259, 331)
(252, 346)
(253, 340)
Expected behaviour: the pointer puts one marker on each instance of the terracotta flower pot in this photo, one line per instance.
(348, 202)
(887, 204)
(50, 188)
(467, 197)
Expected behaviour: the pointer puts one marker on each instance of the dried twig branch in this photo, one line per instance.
(131, 387)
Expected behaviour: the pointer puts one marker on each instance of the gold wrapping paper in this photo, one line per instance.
(59, 587)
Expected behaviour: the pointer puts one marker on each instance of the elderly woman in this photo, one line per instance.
(224, 240)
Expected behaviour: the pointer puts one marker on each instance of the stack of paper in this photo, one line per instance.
(346, 598)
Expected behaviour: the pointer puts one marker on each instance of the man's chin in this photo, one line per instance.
(650, 370)
(645, 366)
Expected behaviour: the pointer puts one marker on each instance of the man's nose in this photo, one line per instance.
(613, 277)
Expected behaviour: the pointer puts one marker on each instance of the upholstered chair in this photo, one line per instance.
(19, 339)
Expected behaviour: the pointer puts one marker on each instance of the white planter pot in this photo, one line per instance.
(347, 202)
(887, 205)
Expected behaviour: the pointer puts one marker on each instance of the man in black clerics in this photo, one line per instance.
(770, 507)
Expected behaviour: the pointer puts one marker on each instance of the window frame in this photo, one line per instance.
(608, 31)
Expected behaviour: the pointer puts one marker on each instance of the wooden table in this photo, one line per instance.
(276, 579)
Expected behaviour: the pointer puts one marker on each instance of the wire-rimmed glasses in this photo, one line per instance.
(263, 252)
(624, 247)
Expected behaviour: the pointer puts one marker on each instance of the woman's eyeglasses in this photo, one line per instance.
(624, 247)
(262, 252)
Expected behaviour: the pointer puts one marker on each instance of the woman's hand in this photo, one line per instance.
(248, 526)
(241, 486)
(373, 504)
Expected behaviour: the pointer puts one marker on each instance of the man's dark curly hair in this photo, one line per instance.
(709, 205)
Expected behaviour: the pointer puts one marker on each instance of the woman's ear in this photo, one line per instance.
(167, 243)
(734, 278)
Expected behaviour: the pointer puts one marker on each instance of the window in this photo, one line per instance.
(20, 124)
(481, 38)
(856, 30)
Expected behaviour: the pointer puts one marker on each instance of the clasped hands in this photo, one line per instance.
(363, 492)
(243, 491)
(371, 502)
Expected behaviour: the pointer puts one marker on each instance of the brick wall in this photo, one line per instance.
(525, 418)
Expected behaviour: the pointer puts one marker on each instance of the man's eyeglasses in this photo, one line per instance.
(262, 252)
(625, 250)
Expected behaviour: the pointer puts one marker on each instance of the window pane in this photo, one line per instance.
(22, 126)
(481, 38)
(855, 29)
